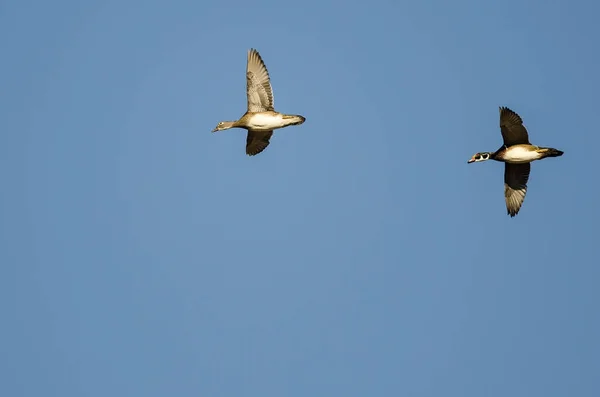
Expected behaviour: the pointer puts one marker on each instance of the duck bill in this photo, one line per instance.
(471, 161)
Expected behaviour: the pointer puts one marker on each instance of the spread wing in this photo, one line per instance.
(515, 186)
(257, 141)
(258, 84)
(511, 126)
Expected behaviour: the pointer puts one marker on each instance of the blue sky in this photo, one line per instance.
(359, 255)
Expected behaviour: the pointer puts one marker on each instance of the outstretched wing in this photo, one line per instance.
(512, 128)
(257, 141)
(515, 186)
(258, 84)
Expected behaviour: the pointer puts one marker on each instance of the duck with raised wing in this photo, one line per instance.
(261, 118)
(517, 153)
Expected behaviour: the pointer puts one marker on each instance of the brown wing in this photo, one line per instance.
(515, 186)
(511, 126)
(258, 84)
(256, 142)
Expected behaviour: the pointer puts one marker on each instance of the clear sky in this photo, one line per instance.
(358, 255)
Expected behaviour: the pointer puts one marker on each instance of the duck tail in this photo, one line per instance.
(296, 119)
(551, 152)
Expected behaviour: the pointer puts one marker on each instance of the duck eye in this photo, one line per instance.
(477, 156)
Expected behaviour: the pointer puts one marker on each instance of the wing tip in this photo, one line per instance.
(506, 112)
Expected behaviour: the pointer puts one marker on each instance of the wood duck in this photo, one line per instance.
(261, 118)
(516, 154)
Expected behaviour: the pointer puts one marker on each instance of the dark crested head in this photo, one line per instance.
(482, 156)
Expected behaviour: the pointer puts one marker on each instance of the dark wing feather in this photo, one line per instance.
(515, 186)
(512, 128)
(257, 141)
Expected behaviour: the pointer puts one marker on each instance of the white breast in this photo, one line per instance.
(519, 155)
(265, 122)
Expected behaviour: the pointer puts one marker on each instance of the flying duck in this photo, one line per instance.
(261, 118)
(516, 154)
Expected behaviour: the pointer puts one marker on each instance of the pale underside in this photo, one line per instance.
(520, 154)
(267, 121)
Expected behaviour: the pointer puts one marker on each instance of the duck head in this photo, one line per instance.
(482, 156)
